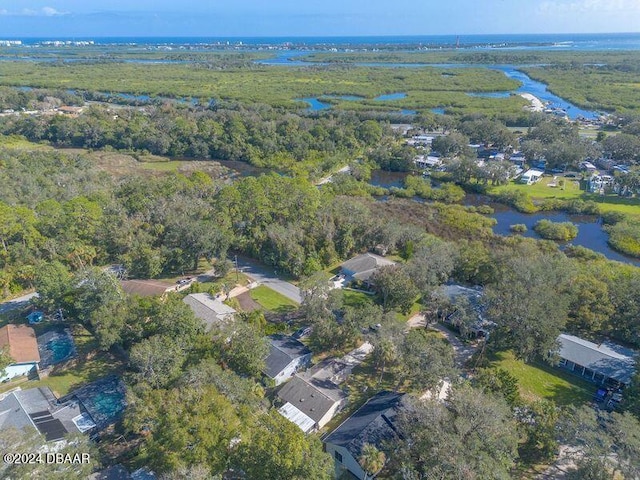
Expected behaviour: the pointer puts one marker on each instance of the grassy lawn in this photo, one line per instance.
(571, 190)
(351, 298)
(415, 308)
(541, 381)
(272, 300)
(89, 365)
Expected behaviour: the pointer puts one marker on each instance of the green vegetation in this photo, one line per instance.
(518, 228)
(272, 300)
(560, 231)
(625, 237)
(607, 88)
(426, 88)
(540, 381)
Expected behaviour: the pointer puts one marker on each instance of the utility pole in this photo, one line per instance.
(235, 259)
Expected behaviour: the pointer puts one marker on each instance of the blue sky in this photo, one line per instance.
(214, 18)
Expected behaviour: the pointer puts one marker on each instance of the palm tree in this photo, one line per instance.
(372, 460)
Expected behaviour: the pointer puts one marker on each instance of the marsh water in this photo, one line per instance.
(590, 232)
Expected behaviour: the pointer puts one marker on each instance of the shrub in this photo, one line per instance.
(518, 228)
(560, 231)
(625, 237)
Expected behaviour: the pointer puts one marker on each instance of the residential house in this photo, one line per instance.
(209, 309)
(602, 184)
(39, 409)
(314, 397)
(20, 342)
(362, 267)
(286, 357)
(531, 176)
(374, 423)
(148, 288)
(605, 363)
(310, 402)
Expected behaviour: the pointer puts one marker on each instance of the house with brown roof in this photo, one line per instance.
(19, 341)
(148, 288)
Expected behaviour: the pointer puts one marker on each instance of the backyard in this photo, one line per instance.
(272, 300)
(540, 381)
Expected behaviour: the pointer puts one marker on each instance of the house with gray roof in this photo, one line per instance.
(605, 363)
(286, 356)
(310, 402)
(373, 423)
(362, 267)
(209, 309)
(39, 409)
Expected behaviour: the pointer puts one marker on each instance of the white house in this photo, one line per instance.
(531, 176)
(286, 357)
(19, 341)
(208, 309)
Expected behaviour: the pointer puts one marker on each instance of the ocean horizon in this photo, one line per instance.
(630, 41)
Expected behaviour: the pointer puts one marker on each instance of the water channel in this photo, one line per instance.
(590, 232)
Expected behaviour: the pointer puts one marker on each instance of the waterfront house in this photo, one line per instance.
(531, 176)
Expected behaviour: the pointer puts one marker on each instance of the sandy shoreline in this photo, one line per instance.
(536, 103)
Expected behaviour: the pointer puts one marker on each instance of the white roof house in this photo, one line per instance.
(531, 176)
(208, 309)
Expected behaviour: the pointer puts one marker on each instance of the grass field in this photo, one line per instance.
(351, 298)
(541, 381)
(571, 190)
(272, 300)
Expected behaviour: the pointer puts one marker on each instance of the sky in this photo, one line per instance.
(255, 18)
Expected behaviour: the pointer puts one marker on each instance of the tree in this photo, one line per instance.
(431, 264)
(498, 381)
(279, 450)
(185, 426)
(425, 360)
(540, 421)
(157, 360)
(394, 288)
(372, 460)
(471, 436)
(591, 306)
(53, 282)
(384, 354)
(243, 347)
(530, 302)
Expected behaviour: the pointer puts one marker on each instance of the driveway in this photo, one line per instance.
(19, 302)
(264, 275)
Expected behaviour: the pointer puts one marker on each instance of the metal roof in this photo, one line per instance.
(291, 413)
(608, 359)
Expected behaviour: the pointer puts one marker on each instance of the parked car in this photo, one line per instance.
(302, 332)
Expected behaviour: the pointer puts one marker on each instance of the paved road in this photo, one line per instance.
(265, 275)
(19, 302)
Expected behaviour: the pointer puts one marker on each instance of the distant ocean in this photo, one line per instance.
(600, 41)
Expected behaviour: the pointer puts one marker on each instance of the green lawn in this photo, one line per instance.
(541, 381)
(272, 300)
(571, 190)
(351, 298)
